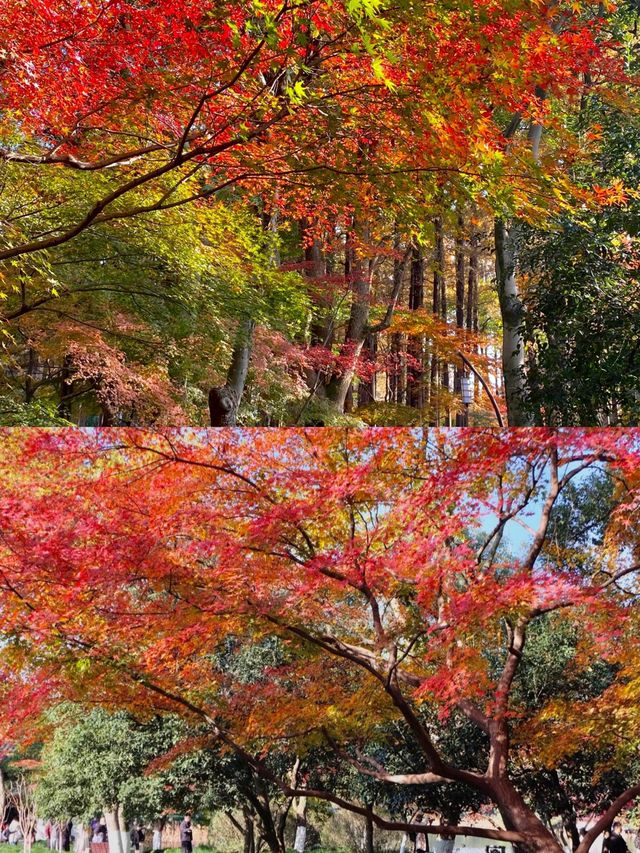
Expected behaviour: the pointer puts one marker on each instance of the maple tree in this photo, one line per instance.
(384, 561)
(367, 136)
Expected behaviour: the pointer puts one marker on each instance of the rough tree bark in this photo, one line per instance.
(415, 348)
(357, 327)
(512, 312)
(472, 285)
(511, 305)
(368, 846)
(224, 401)
(397, 379)
(262, 807)
(439, 374)
(246, 829)
(461, 417)
(315, 268)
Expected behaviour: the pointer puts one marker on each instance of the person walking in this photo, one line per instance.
(137, 837)
(186, 835)
(617, 844)
(421, 844)
(66, 836)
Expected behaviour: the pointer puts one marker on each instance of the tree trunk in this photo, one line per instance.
(368, 836)
(439, 303)
(517, 816)
(249, 832)
(460, 273)
(249, 845)
(3, 797)
(396, 386)
(29, 385)
(301, 825)
(315, 269)
(367, 387)
(512, 310)
(571, 828)
(224, 401)
(415, 349)
(472, 285)
(66, 388)
(397, 383)
(339, 386)
(114, 832)
(511, 306)
(262, 806)
(461, 419)
(440, 294)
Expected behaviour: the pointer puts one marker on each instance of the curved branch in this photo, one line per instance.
(125, 158)
(603, 822)
(485, 385)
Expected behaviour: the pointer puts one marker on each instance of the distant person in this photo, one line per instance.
(186, 835)
(100, 834)
(421, 844)
(617, 844)
(137, 837)
(14, 834)
(102, 830)
(66, 836)
(81, 835)
(156, 841)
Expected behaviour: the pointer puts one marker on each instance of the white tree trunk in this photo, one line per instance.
(118, 839)
(301, 825)
(301, 839)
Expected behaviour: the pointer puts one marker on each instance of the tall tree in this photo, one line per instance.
(382, 561)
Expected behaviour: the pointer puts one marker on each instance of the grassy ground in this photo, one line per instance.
(38, 847)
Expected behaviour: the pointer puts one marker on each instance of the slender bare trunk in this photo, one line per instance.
(472, 285)
(512, 310)
(340, 385)
(415, 371)
(66, 388)
(461, 416)
(368, 846)
(224, 401)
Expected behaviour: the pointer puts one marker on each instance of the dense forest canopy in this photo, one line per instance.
(316, 212)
